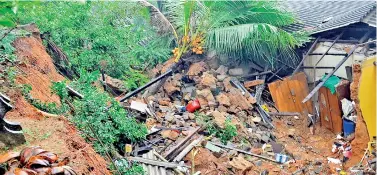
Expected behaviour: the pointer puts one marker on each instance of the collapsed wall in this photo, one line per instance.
(360, 143)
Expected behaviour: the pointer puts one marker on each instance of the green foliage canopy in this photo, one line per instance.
(115, 33)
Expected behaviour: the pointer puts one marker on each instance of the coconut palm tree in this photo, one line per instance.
(246, 30)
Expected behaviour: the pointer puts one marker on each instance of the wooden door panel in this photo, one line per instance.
(324, 109)
(334, 109)
(288, 94)
(281, 95)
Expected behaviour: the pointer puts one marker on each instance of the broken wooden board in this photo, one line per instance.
(289, 92)
(329, 107)
(253, 83)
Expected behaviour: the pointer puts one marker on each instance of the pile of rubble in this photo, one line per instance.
(216, 120)
(175, 130)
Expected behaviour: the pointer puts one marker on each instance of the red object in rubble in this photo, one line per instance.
(193, 106)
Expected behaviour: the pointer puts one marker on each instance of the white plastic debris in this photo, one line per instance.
(139, 106)
(332, 160)
(347, 107)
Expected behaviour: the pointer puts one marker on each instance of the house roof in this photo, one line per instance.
(319, 16)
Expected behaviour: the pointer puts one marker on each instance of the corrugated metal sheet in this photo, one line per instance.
(312, 14)
(154, 170)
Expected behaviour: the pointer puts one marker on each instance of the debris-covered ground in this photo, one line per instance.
(205, 118)
(277, 143)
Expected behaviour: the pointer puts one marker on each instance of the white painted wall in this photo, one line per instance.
(331, 60)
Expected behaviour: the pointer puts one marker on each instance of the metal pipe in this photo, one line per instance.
(245, 152)
(333, 54)
(275, 74)
(312, 67)
(328, 49)
(136, 91)
(306, 55)
(339, 41)
(257, 74)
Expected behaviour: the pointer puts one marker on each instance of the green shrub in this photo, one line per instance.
(117, 33)
(224, 134)
(49, 107)
(101, 113)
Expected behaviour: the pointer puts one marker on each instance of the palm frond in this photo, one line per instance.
(226, 13)
(260, 40)
(159, 20)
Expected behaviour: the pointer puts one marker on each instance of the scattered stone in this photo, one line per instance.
(233, 109)
(223, 99)
(207, 95)
(164, 101)
(150, 122)
(235, 72)
(242, 115)
(188, 88)
(232, 153)
(178, 117)
(164, 108)
(208, 80)
(221, 77)
(171, 86)
(222, 70)
(253, 83)
(240, 163)
(185, 115)
(172, 135)
(203, 102)
(257, 119)
(256, 151)
(169, 117)
(265, 138)
(238, 100)
(222, 109)
(219, 118)
(258, 163)
(180, 123)
(252, 100)
(318, 170)
(227, 85)
(196, 69)
(193, 124)
(191, 116)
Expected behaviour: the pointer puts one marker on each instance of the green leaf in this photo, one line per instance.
(6, 10)
(6, 22)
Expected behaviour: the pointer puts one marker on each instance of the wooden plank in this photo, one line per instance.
(323, 108)
(288, 94)
(281, 96)
(335, 113)
(249, 84)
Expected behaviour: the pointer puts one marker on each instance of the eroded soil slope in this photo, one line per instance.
(55, 134)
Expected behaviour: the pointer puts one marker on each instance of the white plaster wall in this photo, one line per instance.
(331, 60)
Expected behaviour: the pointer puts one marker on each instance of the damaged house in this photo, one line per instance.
(317, 116)
(344, 34)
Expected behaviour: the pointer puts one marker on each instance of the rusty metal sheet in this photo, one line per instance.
(289, 92)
